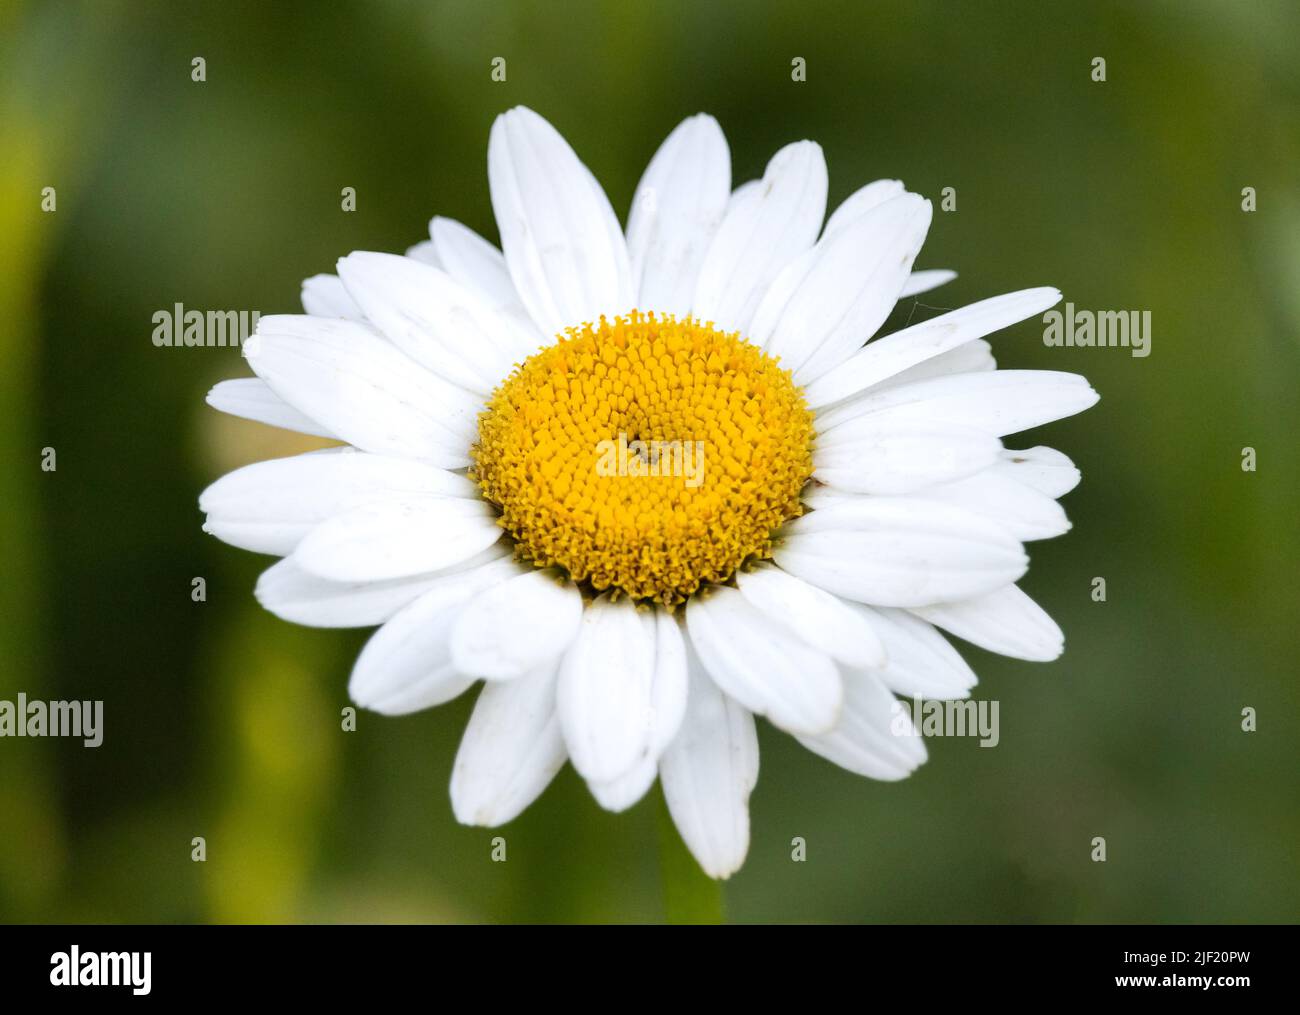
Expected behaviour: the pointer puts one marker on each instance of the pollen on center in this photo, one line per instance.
(645, 454)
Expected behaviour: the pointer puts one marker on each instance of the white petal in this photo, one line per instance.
(426, 253)
(325, 296)
(517, 627)
(892, 354)
(606, 690)
(621, 793)
(475, 263)
(268, 507)
(874, 737)
(614, 238)
(670, 681)
(999, 402)
(822, 620)
(252, 398)
(888, 456)
(708, 772)
(511, 750)
(406, 665)
(292, 594)
(847, 289)
(778, 294)
(972, 357)
(923, 281)
(668, 700)
(767, 670)
(1045, 469)
(398, 537)
(435, 320)
(434, 687)
(818, 495)
(1024, 512)
(678, 207)
(1006, 621)
(561, 239)
(765, 228)
(900, 551)
(861, 201)
(741, 194)
(922, 664)
(364, 389)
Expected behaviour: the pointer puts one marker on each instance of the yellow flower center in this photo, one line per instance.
(645, 454)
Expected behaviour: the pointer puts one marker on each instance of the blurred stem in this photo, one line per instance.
(690, 895)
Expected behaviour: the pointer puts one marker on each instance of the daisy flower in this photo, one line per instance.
(852, 498)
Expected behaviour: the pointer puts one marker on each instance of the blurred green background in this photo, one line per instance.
(222, 721)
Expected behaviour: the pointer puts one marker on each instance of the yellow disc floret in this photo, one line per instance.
(645, 454)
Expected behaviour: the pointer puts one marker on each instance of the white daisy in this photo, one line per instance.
(854, 497)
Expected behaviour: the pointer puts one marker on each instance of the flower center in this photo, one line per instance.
(645, 454)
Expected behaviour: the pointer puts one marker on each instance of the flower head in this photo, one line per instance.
(649, 485)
